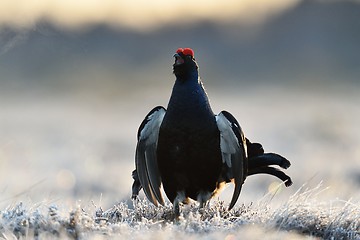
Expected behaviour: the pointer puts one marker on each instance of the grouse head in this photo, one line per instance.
(185, 64)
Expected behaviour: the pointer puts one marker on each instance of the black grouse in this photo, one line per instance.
(191, 151)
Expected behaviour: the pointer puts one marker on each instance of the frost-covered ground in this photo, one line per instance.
(66, 161)
(301, 215)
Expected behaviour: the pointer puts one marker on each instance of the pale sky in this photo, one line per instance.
(137, 14)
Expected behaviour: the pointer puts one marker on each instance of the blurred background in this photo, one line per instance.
(77, 79)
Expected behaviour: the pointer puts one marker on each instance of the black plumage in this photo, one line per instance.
(190, 151)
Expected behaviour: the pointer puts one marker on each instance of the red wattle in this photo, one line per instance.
(188, 51)
(179, 50)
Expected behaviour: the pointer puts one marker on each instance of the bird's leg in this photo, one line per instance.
(203, 199)
(176, 209)
(180, 197)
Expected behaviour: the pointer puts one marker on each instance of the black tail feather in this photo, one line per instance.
(136, 187)
(254, 149)
(272, 171)
(267, 159)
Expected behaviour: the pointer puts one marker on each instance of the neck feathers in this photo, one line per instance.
(187, 71)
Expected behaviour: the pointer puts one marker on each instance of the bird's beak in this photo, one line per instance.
(178, 59)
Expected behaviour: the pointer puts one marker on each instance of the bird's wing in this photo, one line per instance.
(145, 157)
(233, 150)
